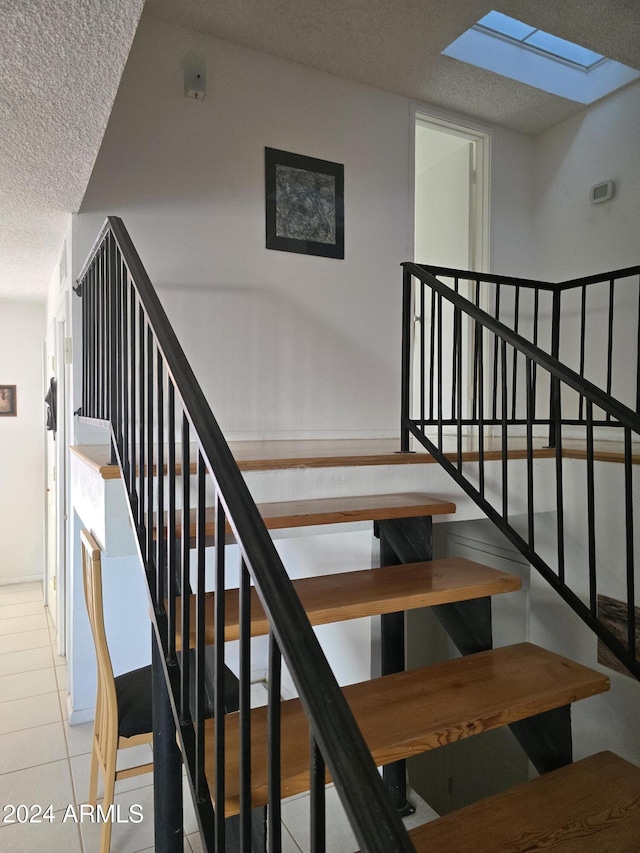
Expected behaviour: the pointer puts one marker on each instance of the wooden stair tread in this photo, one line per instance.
(410, 712)
(351, 595)
(305, 513)
(591, 806)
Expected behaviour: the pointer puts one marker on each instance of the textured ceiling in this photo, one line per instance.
(61, 63)
(397, 44)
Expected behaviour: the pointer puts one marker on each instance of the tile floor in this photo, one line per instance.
(45, 762)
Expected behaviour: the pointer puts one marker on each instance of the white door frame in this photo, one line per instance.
(479, 209)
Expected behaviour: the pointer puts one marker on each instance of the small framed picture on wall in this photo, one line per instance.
(8, 403)
(304, 204)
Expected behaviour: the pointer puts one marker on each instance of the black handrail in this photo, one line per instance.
(441, 381)
(136, 377)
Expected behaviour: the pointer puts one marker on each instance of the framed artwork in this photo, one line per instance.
(304, 204)
(8, 406)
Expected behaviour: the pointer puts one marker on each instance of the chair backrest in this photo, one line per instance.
(106, 705)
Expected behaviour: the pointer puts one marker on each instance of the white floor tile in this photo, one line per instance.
(25, 660)
(340, 837)
(27, 608)
(47, 784)
(79, 738)
(57, 836)
(81, 767)
(288, 844)
(31, 747)
(61, 676)
(17, 593)
(20, 624)
(23, 684)
(26, 713)
(25, 640)
(127, 837)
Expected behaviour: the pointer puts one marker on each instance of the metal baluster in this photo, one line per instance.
(172, 555)
(629, 524)
(610, 343)
(219, 710)
(432, 346)
(317, 799)
(439, 370)
(161, 537)
(126, 367)
(559, 485)
(133, 397)
(245, 710)
(456, 354)
(477, 329)
(583, 329)
(422, 291)
(406, 361)
(150, 462)
(530, 407)
(458, 363)
(554, 398)
(141, 431)
(481, 411)
(515, 354)
(495, 356)
(274, 745)
(638, 355)
(591, 514)
(536, 316)
(503, 414)
(198, 711)
(185, 583)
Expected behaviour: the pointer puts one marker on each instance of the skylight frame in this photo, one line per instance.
(524, 43)
(485, 48)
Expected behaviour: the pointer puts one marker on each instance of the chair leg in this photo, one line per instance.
(93, 777)
(109, 789)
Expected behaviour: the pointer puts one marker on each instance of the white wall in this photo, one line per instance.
(573, 237)
(22, 330)
(283, 344)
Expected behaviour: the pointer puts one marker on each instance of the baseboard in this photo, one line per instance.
(76, 718)
(22, 579)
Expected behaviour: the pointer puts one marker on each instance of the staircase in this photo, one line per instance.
(241, 762)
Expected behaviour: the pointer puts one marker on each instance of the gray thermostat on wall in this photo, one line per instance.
(602, 192)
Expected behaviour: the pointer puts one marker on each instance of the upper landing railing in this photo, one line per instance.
(137, 378)
(468, 374)
(590, 324)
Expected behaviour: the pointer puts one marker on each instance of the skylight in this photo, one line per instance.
(553, 46)
(522, 52)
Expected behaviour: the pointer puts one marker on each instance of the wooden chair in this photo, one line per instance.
(123, 704)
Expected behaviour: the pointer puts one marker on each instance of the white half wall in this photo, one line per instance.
(22, 330)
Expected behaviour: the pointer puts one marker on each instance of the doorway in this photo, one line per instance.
(451, 217)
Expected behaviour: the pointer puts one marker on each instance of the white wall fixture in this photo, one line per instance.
(195, 75)
(602, 192)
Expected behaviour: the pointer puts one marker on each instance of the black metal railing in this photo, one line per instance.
(474, 376)
(590, 324)
(136, 377)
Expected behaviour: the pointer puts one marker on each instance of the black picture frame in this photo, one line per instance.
(304, 204)
(8, 401)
